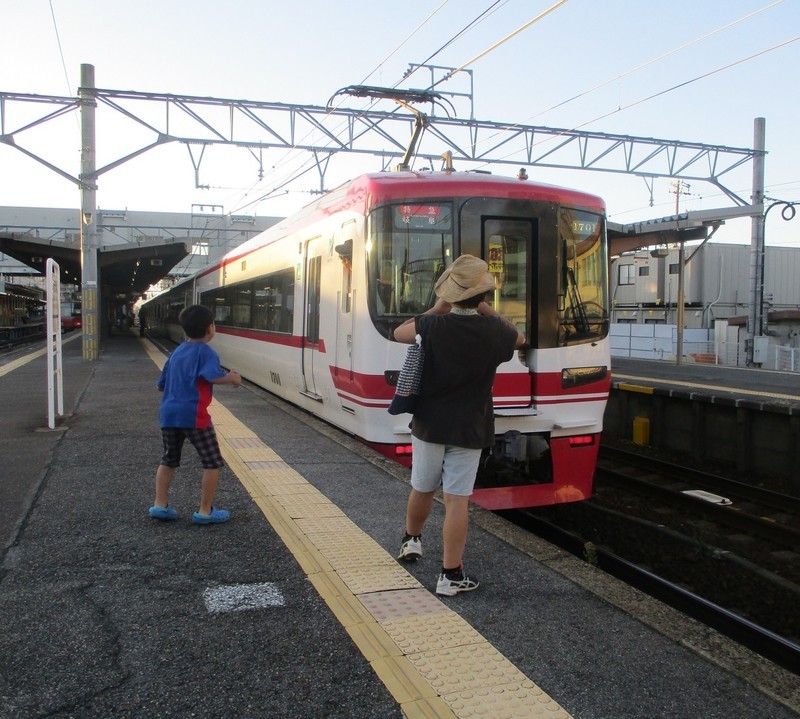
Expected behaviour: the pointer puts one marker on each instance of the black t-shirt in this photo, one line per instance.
(462, 353)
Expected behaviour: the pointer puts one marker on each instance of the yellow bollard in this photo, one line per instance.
(641, 430)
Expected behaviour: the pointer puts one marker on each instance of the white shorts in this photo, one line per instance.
(454, 468)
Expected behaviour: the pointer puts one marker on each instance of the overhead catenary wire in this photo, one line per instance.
(303, 169)
(60, 49)
(654, 60)
(495, 5)
(679, 85)
(641, 66)
(692, 80)
(516, 32)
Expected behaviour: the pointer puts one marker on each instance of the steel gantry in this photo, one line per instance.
(324, 131)
(200, 122)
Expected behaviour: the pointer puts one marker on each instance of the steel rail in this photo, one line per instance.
(777, 649)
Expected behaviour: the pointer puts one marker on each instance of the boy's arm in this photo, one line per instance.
(233, 377)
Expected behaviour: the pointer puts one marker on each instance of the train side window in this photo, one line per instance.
(242, 304)
(273, 302)
(583, 296)
(345, 252)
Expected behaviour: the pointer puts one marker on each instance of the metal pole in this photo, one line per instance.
(55, 374)
(755, 317)
(680, 314)
(679, 317)
(90, 297)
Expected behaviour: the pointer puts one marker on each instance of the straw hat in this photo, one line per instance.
(466, 277)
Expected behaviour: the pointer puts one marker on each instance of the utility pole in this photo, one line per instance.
(90, 296)
(755, 317)
(681, 188)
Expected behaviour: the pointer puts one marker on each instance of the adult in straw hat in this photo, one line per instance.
(464, 341)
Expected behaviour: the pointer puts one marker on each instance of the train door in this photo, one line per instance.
(508, 246)
(345, 314)
(311, 294)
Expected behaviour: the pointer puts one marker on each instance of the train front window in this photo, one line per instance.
(583, 300)
(409, 247)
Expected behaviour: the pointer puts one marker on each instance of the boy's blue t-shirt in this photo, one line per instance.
(186, 381)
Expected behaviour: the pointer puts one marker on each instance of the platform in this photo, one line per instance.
(296, 607)
(709, 381)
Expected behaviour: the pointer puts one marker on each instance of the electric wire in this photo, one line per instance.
(516, 32)
(693, 80)
(410, 35)
(482, 16)
(678, 86)
(302, 169)
(636, 69)
(655, 60)
(472, 23)
(60, 49)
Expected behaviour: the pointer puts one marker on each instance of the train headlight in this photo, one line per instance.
(576, 376)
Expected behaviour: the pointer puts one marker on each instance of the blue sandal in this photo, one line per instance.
(168, 513)
(217, 516)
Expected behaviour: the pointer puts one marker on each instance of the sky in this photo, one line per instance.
(708, 67)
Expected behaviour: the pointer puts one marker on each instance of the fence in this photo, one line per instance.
(787, 359)
(659, 342)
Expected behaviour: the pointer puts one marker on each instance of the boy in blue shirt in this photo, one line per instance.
(186, 381)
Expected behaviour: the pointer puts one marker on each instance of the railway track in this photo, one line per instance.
(770, 516)
(729, 559)
(769, 644)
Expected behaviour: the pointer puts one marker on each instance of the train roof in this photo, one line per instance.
(363, 192)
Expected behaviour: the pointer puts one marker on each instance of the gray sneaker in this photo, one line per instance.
(410, 550)
(450, 587)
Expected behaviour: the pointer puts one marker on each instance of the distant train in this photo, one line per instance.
(307, 309)
(71, 318)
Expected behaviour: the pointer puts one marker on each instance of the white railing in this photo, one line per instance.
(787, 359)
(659, 342)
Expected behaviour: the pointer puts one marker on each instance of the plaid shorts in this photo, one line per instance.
(204, 441)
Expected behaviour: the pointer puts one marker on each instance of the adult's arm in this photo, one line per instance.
(484, 308)
(407, 331)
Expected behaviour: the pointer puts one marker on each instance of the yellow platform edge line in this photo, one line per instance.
(693, 385)
(22, 361)
(625, 387)
(429, 708)
(417, 698)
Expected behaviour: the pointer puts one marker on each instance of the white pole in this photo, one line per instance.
(55, 377)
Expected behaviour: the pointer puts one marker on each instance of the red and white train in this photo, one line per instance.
(307, 309)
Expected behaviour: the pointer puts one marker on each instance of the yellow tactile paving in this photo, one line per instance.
(373, 641)
(472, 666)
(425, 633)
(432, 708)
(519, 700)
(407, 603)
(376, 579)
(431, 660)
(267, 464)
(241, 442)
(327, 525)
(404, 682)
(257, 454)
(302, 507)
